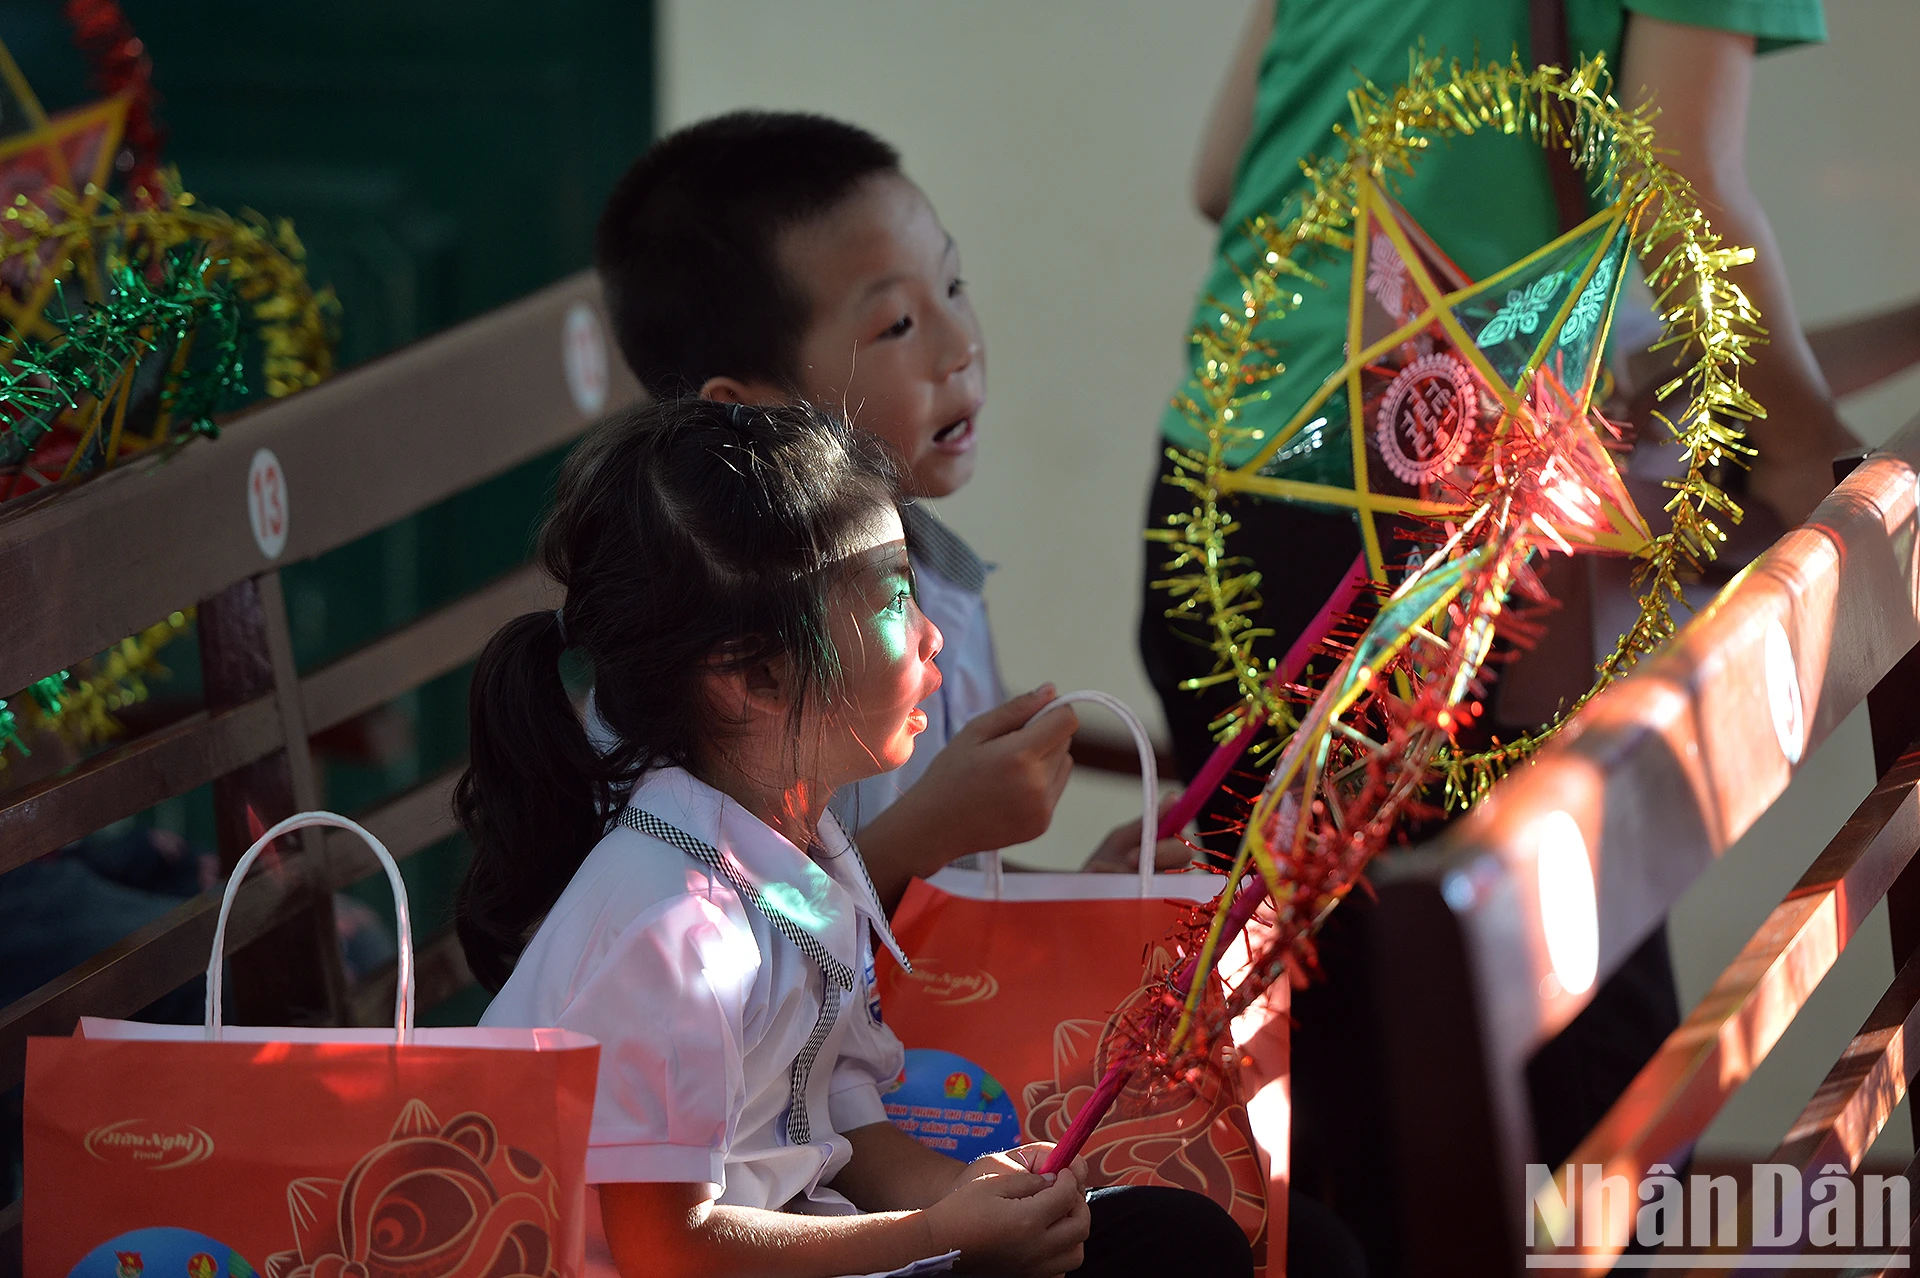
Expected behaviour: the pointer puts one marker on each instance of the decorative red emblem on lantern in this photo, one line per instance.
(1427, 417)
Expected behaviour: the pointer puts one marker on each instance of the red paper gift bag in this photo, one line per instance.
(307, 1153)
(1016, 981)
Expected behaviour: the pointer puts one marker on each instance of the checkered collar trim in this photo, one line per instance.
(865, 899)
(806, 942)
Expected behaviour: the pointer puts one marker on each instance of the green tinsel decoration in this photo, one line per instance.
(49, 690)
(115, 349)
(9, 733)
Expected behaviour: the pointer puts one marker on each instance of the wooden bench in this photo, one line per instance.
(439, 417)
(1482, 934)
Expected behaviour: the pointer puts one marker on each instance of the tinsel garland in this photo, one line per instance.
(82, 709)
(168, 299)
(1702, 313)
(263, 264)
(92, 368)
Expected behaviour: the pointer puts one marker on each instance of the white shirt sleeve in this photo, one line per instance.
(869, 1064)
(667, 1002)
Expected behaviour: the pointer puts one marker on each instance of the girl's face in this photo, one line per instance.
(886, 647)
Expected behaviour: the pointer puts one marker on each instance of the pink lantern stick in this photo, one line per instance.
(1089, 1116)
(1204, 783)
(1208, 779)
(1228, 752)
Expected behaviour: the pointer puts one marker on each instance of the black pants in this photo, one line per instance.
(1342, 1150)
(1154, 1230)
(1158, 1232)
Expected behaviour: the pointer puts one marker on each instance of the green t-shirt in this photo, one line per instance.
(1486, 200)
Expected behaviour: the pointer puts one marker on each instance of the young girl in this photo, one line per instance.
(737, 580)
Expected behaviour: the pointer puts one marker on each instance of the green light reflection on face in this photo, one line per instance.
(893, 624)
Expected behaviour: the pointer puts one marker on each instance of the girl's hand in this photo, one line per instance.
(1003, 1219)
(993, 786)
(996, 782)
(1019, 1160)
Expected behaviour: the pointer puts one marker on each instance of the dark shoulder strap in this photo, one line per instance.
(1547, 27)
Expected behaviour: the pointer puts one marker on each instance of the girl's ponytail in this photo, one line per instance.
(531, 799)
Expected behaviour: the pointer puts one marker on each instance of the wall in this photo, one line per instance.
(1056, 141)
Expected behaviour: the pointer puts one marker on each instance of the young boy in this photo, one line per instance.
(763, 257)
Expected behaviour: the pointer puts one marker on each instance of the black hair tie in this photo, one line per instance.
(560, 620)
(740, 416)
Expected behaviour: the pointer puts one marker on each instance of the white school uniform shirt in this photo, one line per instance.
(948, 580)
(713, 1023)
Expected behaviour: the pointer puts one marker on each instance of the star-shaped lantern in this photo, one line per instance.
(53, 164)
(1441, 369)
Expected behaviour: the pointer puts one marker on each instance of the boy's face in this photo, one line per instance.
(891, 337)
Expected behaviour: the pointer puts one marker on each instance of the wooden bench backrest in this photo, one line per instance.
(1663, 773)
(101, 561)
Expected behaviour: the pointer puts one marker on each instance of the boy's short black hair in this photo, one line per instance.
(686, 243)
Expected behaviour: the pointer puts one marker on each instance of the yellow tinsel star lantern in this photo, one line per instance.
(49, 165)
(1441, 369)
(1462, 409)
(170, 300)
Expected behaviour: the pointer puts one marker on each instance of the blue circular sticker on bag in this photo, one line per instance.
(162, 1252)
(948, 1103)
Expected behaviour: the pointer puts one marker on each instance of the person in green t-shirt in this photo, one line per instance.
(1486, 200)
